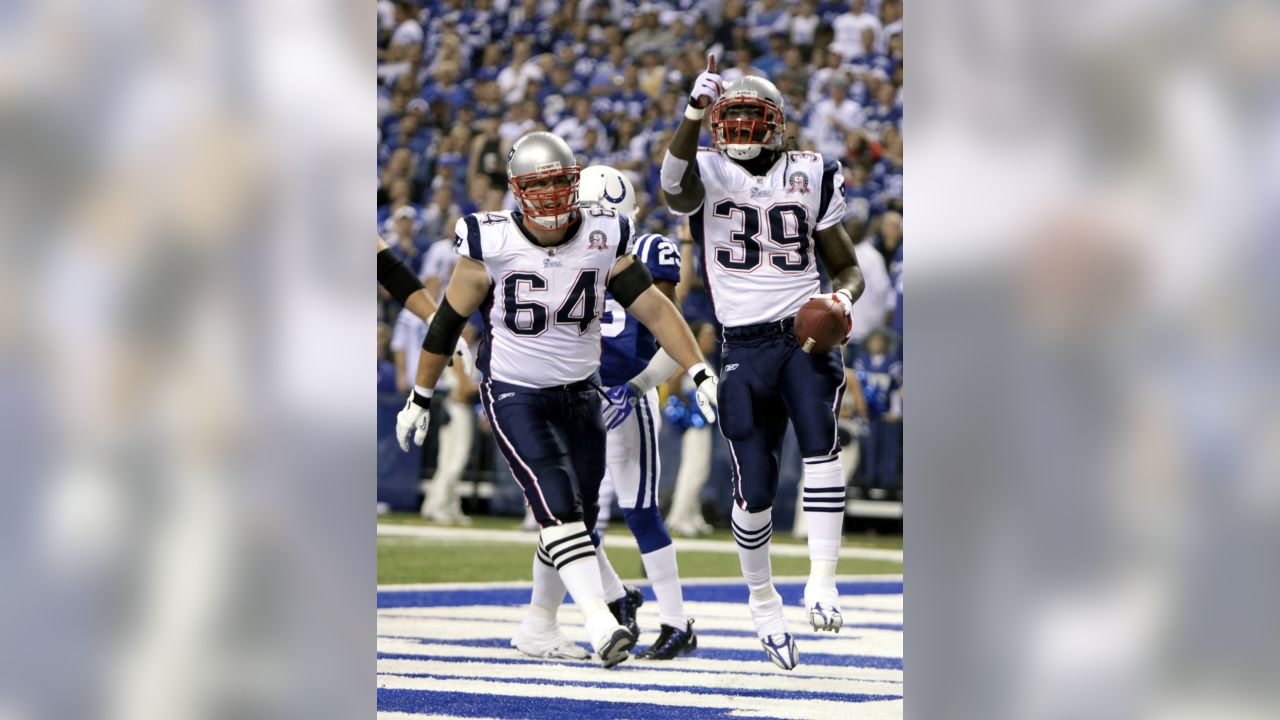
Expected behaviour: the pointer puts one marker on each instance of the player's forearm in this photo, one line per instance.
(430, 367)
(421, 304)
(681, 186)
(684, 144)
(660, 367)
(850, 280)
(661, 317)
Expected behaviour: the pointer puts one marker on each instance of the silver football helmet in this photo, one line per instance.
(748, 117)
(543, 176)
(610, 188)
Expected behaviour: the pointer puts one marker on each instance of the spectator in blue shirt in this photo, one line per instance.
(879, 372)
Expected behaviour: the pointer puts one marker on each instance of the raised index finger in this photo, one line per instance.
(711, 62)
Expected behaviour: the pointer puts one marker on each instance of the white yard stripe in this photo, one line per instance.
(632, 672)
(790, 708)
(692, 663)
(454, 534)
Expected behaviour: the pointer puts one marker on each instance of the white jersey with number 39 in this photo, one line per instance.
(757, 233)
(542, 316)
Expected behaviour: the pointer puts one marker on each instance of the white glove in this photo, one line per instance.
(412, 420)
(707, 385)
(707, 88)
(846, 303)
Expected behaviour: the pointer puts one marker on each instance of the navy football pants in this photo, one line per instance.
(554, 442)
(766, 380)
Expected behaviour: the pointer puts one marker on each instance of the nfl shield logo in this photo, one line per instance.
(597, 241)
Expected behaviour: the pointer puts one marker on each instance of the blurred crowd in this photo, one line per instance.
(458, 82)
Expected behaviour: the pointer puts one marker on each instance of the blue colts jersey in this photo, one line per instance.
(627, 345)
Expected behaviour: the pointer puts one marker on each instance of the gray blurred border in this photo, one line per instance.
(186, 195)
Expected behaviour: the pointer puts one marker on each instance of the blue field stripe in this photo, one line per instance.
(740, 692)
(807, 656)
(730, 592)
(654, 665)
(515, 706)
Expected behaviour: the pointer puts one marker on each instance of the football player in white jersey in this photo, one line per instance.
(538, 276)
(631, 367)
(763, 217)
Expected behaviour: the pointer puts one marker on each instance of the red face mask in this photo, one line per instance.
(550, 196)
(746, 121)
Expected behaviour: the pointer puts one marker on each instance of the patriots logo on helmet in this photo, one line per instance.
(799, 182)
(597, 241)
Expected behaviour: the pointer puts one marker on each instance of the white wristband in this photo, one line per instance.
(424, 392)
(694, 113)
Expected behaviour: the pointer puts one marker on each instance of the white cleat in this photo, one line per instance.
(548, 644)
(771, 627)
(782, 650)
(612, 642)
(824, 608)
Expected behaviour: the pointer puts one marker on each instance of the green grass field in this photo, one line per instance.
(423, 560)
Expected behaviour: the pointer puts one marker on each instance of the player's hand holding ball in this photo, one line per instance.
(706, 382)
(707, 88)
(824, 322)
(412, 420)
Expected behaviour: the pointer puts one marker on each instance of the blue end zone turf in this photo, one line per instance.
(485, 681)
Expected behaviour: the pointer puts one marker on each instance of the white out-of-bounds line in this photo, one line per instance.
(499, 585)
(453, 534)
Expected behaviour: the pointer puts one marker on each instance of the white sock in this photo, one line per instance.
(664, 575)
(823, 500)
(548, 588)
(608, 576)
(752, 531)
(574, 555)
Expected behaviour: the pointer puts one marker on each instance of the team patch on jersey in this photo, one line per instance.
(798, 182)
(597, 241)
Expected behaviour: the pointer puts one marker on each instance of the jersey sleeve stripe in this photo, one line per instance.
(473, 239)
(625, 240)
(643, 244)
(829, 170)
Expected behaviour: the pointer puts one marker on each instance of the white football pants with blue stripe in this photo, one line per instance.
(633, 467)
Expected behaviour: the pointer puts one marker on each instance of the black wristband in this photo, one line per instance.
(422, 401)
(702, 375)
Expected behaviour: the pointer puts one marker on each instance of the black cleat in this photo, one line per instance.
(672, 642)
(624, 609)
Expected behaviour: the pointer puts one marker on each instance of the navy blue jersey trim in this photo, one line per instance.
(626, 236)
(473, 238)
(829, 170)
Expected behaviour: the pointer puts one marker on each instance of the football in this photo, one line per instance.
(820, 325)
